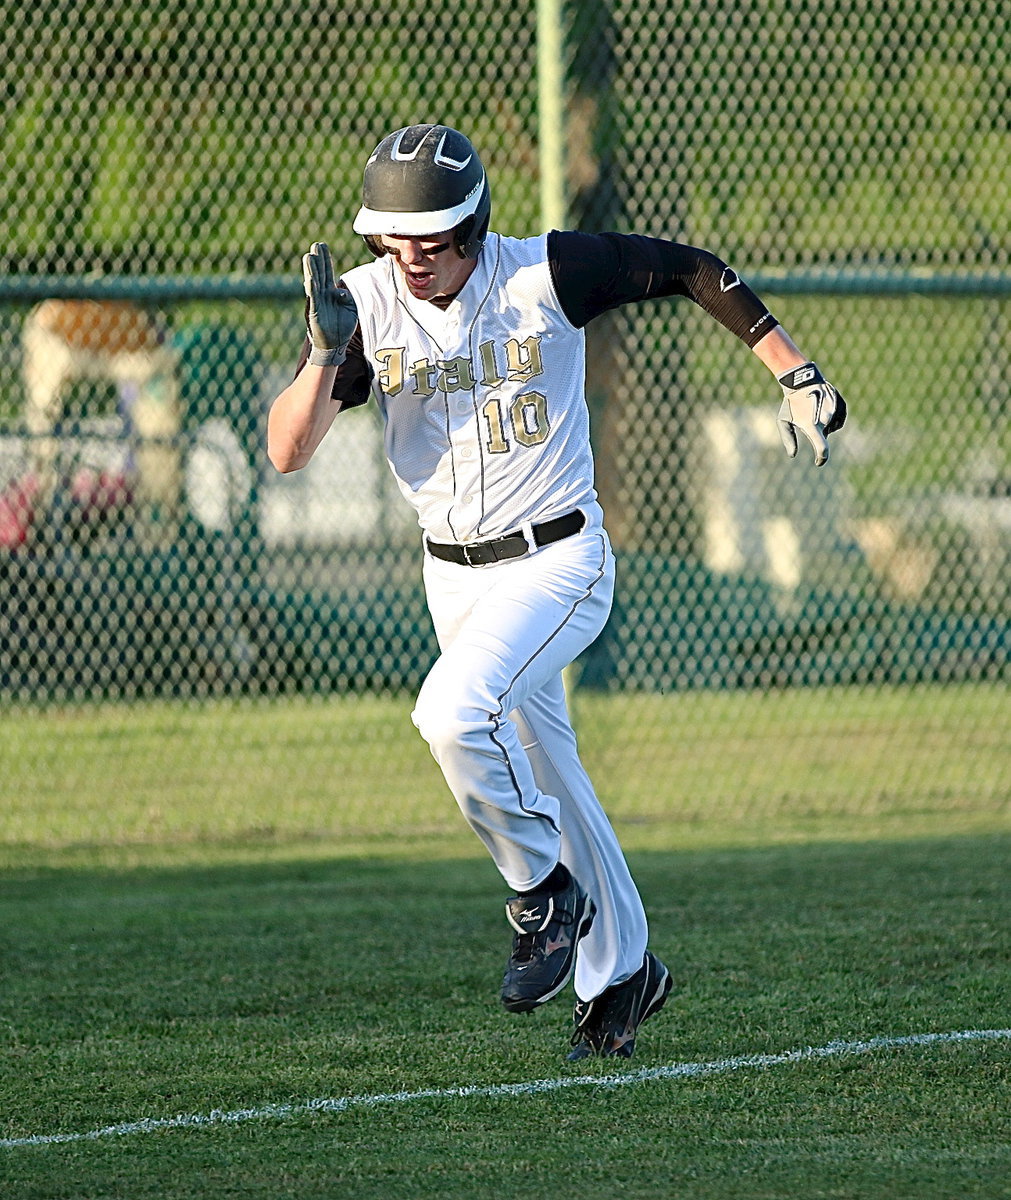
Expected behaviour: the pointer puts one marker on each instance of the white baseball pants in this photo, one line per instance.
(493, 712)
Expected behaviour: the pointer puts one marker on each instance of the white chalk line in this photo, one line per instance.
(686, 1070)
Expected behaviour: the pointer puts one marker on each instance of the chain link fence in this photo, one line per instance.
(165, 167)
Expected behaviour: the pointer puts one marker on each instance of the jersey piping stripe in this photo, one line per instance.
(493, 275)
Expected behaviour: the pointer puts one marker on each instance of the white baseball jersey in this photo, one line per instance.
(486, 425)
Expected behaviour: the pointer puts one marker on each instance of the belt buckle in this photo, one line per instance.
(468, 560)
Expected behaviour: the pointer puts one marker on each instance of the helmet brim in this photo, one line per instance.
(373, 222)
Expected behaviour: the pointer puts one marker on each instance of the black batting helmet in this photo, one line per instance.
(422, 180)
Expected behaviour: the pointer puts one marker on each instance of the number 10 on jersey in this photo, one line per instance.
(524, 419)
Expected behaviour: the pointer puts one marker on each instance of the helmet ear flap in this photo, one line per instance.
(470, 234)
(375, 244)
(463, 239)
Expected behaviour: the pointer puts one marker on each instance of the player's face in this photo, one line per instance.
(430, 265)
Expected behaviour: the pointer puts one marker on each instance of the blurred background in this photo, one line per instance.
(164, 168)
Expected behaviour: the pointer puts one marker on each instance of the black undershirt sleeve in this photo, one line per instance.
(353, 384)
(595, 272)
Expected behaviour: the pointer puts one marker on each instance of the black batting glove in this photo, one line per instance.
(332, 312)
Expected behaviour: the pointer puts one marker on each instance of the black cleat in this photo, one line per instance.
(548, 927)
(606, 1025)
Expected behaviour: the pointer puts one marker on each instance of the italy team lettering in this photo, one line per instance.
(520, 360)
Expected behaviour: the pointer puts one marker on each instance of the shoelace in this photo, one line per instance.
(523, 947)
(582, 1032)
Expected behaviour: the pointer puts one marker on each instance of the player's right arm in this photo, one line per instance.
(301, 415)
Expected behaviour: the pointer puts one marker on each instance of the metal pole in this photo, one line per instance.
(551, 142)
(551, 113)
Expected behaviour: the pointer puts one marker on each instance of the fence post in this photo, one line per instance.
(551, 114)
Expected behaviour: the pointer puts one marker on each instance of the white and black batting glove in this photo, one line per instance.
(811, 405)
(332, 315)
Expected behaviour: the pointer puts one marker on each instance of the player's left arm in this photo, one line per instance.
(596, 272)
(811, 405)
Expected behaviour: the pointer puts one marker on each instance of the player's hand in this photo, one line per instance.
(332, 312)
(811, 405)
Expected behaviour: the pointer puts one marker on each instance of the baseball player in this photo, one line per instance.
(472, 346)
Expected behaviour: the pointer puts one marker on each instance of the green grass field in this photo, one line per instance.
(252, 910)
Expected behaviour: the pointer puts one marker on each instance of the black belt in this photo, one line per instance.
(512, 545)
